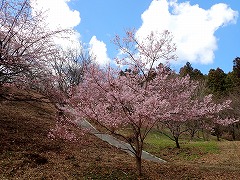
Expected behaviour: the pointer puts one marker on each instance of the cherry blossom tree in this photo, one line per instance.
(204, 113)
(143, 95)
(130, 100)
(26, 44)
(26, 47)
(31, 60)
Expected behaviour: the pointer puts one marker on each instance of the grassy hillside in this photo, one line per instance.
(27, 153)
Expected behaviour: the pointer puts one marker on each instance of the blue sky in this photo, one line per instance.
(207, 32)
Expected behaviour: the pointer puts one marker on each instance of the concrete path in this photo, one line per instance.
(117, 143)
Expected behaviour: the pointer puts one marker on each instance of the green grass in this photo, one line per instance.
(159, 140)
(195, 150)
(206, 146)
(161, 145)
(156, 141)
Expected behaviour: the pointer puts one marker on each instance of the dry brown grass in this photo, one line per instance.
(27, 153)
(227, 159)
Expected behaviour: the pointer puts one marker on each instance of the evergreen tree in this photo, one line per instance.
(236, 66)
(216, 81)
(195, 74)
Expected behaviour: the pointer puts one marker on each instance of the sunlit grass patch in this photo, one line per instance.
(162, 146)
(206, 146)
(159, 140)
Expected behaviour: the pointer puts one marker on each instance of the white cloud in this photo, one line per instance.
(99, 50)
(193, 28)
(58, 15)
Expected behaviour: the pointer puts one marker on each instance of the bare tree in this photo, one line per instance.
(70, 66)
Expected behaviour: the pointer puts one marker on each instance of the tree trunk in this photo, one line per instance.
(233, 132)
(138, 156)
(177, 142)
(203, 135)
(139, 165)
(218, 132)
(192, 133)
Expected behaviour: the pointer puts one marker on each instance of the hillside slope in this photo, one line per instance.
(27, 153)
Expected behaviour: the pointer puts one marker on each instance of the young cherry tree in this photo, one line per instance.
(117, 100)
(204, 113)
(139, 97)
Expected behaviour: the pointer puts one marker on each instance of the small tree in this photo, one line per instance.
(70, 66)
(193, 112)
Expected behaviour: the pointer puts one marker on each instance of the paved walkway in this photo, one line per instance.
(117, 143)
